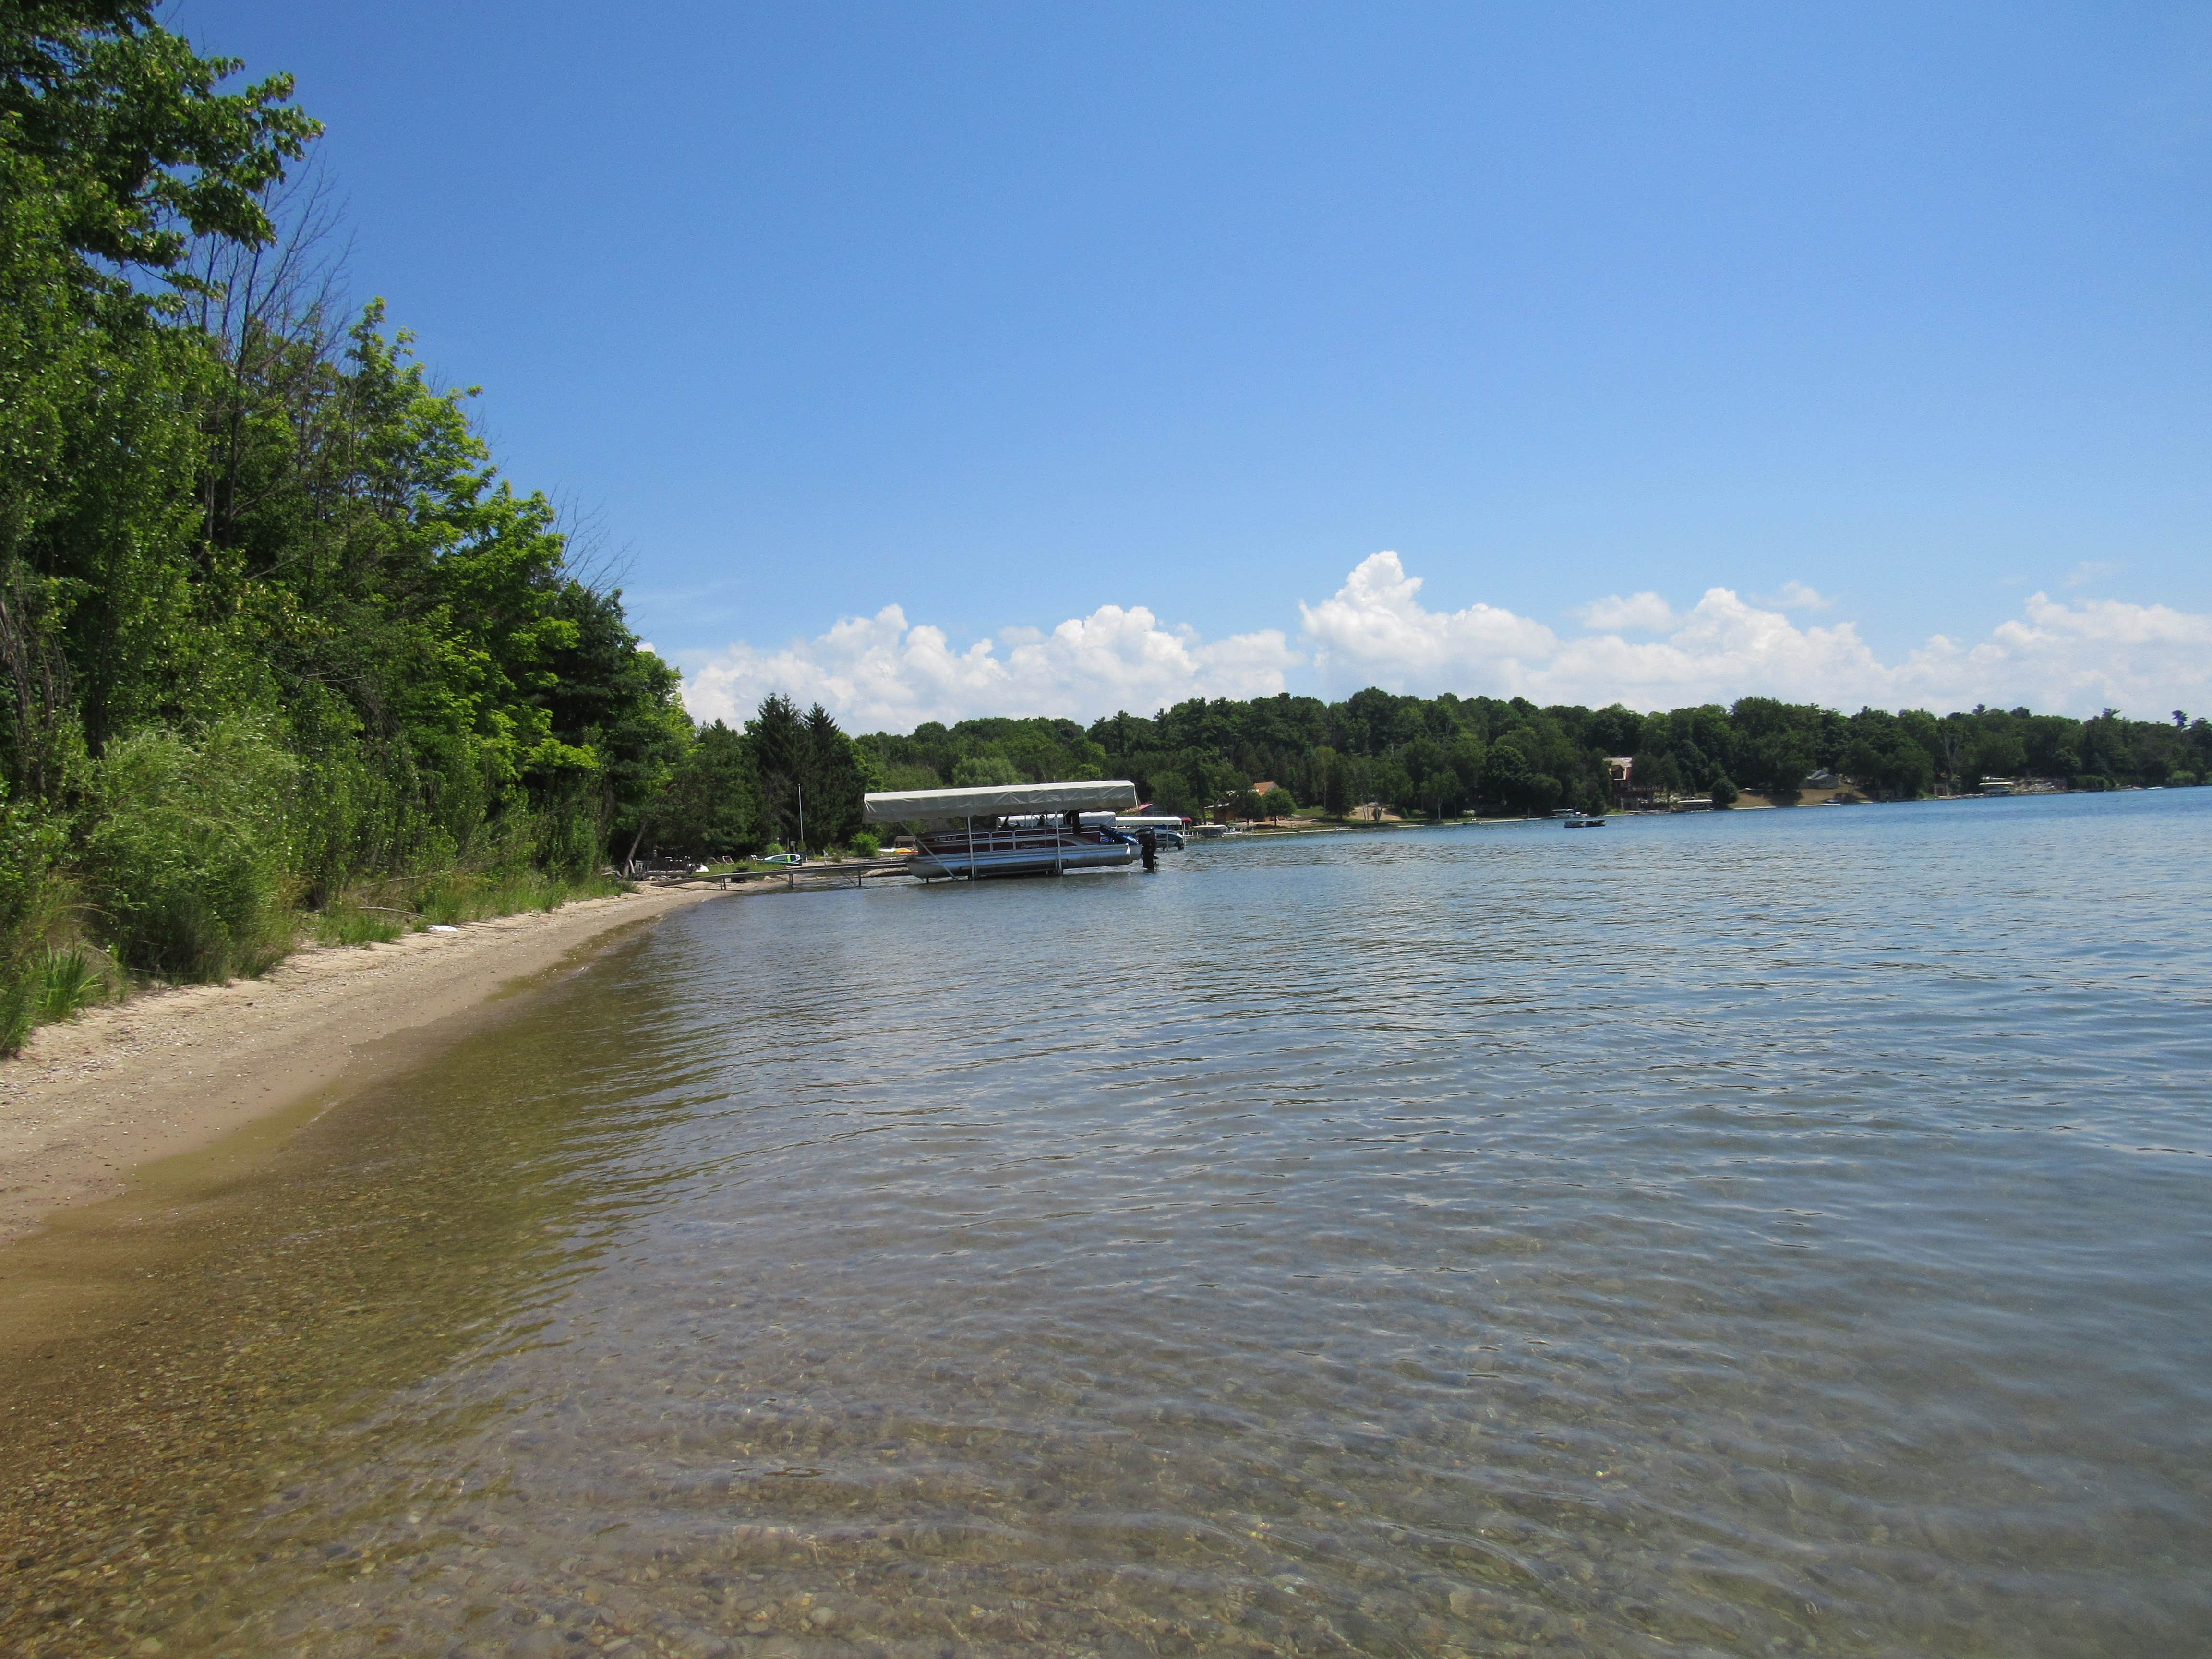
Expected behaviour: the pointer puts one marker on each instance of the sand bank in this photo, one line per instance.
(89, 1099)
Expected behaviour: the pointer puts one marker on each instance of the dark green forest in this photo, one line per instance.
(1445, 757)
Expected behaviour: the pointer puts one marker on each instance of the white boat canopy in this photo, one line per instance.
(1001, 799)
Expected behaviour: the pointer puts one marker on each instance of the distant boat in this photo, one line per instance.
(1168, 830)
(1584, 821)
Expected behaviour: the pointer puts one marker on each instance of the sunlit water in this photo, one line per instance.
(1773, 1233)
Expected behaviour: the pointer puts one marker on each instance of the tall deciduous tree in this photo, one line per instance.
(231, 528)
(711, 806)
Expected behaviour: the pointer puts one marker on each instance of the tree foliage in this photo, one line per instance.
(712, 805)
(1442, 756)
(788, 780)
(270, 620)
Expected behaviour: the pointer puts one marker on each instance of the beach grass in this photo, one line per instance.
(379, 913)
(345, 923)
(462, 895)
(68, 978)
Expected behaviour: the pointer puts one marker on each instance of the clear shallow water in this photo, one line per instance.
(1767, 1233)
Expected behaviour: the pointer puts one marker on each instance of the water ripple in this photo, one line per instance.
(1768, 1234)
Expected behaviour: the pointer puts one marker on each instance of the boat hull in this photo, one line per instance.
(999, 853)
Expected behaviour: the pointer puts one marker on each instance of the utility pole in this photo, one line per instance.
(802, 820)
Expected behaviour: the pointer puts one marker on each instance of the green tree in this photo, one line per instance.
(711, 803)
(991, 766)
(776, 736)
(220, 515)
(836, 781)
(1885, 760)
(139, 152)
(1336, 784)
(808, 769)
(1508, 783)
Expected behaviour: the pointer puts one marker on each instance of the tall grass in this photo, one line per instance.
(68, 978)
(462, 896)
(376, 912)
(33, 903)
(344, 922)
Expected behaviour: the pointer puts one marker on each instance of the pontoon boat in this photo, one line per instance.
(1012, 829)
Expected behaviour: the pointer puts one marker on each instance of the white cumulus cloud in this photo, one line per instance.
(884, 672)
(2076, 659)
(2055, 657)
(1377, 617)
(1642, 613)
(1795, 596)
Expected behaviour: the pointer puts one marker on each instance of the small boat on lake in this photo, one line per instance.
(1584, 821)
(1012, 829)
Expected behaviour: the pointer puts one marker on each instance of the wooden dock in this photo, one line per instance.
(798, 877)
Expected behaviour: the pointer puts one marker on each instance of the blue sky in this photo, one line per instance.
(1885, 320)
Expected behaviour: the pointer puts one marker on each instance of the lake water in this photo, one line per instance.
(1767, 1233)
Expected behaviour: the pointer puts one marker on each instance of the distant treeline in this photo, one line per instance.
(1444, 756)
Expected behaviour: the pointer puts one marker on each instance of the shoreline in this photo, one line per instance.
(90, 1100)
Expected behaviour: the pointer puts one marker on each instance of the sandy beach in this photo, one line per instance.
(89, 1100)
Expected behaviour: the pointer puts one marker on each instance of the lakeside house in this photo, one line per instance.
(1628, 795)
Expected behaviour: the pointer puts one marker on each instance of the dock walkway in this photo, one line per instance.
(797, 877)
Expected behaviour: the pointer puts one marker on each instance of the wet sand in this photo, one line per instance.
(90, 1100)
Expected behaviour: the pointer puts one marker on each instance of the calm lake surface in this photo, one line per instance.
(1768, 1233)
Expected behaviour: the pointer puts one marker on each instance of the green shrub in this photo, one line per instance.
(568, 833)
(866, 845)
(68, 979)
(343, 923)
(187, 856)
(28, 892)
